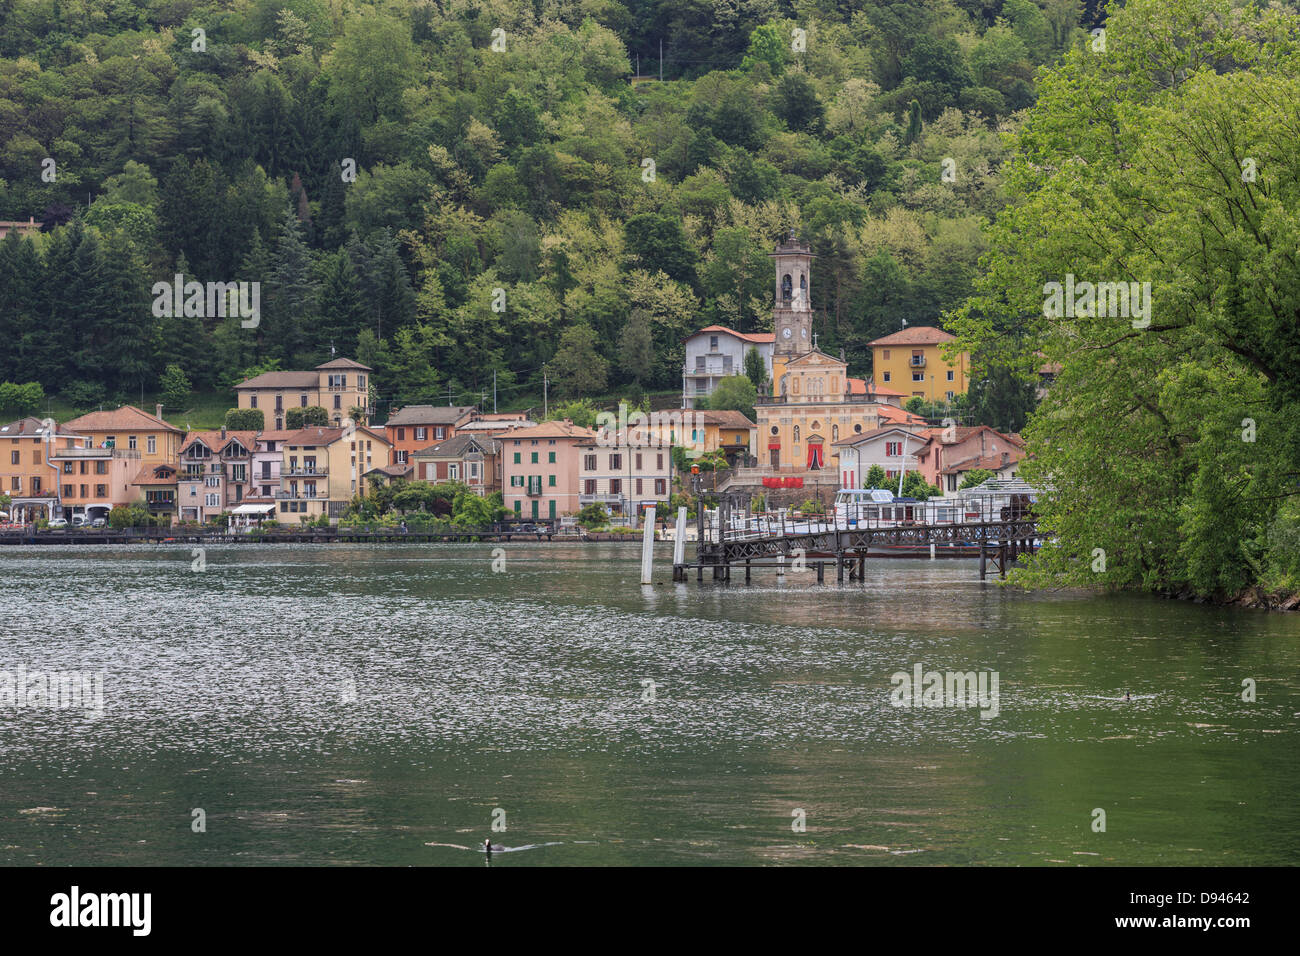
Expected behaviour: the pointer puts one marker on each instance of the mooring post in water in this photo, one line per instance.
(780, 565)
(821, 572)
(747, 570)
(983, 557)
(679, 546)
(648, 547)
(931, 550)
(839, 567)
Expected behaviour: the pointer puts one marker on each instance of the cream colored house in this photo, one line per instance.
(337, 386)
(321, 469)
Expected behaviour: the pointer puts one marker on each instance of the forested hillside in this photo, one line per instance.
(497, 145)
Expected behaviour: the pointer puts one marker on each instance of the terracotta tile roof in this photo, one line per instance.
(858, 386)
(455, 447)
(915, 335)
(877, 432)
(728, 418)
(282, 380)
(559, 429)
(215, 442)
(899, 415)
(272, 434)
(31, 427)
(148, 475)
(119, 419)
(429, 415)
(344, 363)
(317, 435)
(758, 338)
(988, 462)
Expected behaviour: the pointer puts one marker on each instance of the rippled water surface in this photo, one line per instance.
(340, 704)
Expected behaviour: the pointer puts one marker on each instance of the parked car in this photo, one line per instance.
(78, 520)
(57, 524)
(99, 523)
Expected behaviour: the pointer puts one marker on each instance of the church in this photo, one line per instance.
(814, 403)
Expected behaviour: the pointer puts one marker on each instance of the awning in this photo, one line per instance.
(252, 509)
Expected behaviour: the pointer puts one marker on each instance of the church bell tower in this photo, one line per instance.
(792, 315)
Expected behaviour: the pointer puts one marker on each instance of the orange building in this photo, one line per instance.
(417, 427)
(26, 474)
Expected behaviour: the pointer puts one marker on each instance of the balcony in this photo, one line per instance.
(303, 471)
(826, 398)
(601, 498)
(84, 453)
(711, 369)
(301, 496)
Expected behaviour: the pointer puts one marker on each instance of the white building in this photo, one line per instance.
(715, 352)
(625, 478)
(892, 448)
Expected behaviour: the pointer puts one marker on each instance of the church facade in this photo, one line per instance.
(814, 403)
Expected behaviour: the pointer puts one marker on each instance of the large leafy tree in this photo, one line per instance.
(1171, 435)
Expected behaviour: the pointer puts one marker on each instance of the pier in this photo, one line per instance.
(810, 543)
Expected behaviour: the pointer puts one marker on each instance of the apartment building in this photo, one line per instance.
(540, 469)
(216, 473)
(338, 386)
(416, 427)
(321, 469)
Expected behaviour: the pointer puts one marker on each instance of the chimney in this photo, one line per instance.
(223, 432)
(157, 410)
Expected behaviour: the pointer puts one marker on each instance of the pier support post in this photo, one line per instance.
(983, 557)
(821, 571)
(746, 570)
(648, 547)
(679, 546)
(931, 550)
(780, 565)
(839, 567)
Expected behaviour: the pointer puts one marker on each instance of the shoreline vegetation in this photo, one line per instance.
(1168, 445)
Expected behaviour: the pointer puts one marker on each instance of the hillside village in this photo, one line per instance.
(300, 447)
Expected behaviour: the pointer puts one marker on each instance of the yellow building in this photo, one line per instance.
(912, 362)
(323, 468)
(818, 405)
(337, 386)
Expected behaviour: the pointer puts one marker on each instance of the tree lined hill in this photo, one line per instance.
(451, 190)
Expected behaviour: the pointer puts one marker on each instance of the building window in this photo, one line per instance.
(660, 487)
(918, 376)
(516, 456)
(101, 491)
(886, 376)
(589, 486)
(589, 462)
(401, 457)
(252, 401)
(615, 486)
(303, 400)
(153, 444)
(950, 374)
(130, 442)
(638, 487)
(550, 457)
(14, 458)
(453, 471)
(534, 458)
(615, 462)
(439, 433)
(421, 434)
(950, 395)
(713, 343)
(550, 480)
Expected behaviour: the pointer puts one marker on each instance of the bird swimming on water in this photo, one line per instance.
(1126, 696)
(489, 847)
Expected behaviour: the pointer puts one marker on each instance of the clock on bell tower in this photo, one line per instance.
(792, 314)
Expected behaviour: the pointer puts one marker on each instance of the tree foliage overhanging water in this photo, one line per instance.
(1171, 440)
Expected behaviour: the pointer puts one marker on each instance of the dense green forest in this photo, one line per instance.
(448, 190)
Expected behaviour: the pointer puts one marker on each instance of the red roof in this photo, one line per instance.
(761, 338)
(916, 335)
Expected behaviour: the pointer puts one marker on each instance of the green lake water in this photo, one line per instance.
(376, 705)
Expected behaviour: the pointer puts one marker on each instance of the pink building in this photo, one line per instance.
(943, 462)
(541, 469)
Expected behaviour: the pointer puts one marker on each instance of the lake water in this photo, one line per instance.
(377, 705)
